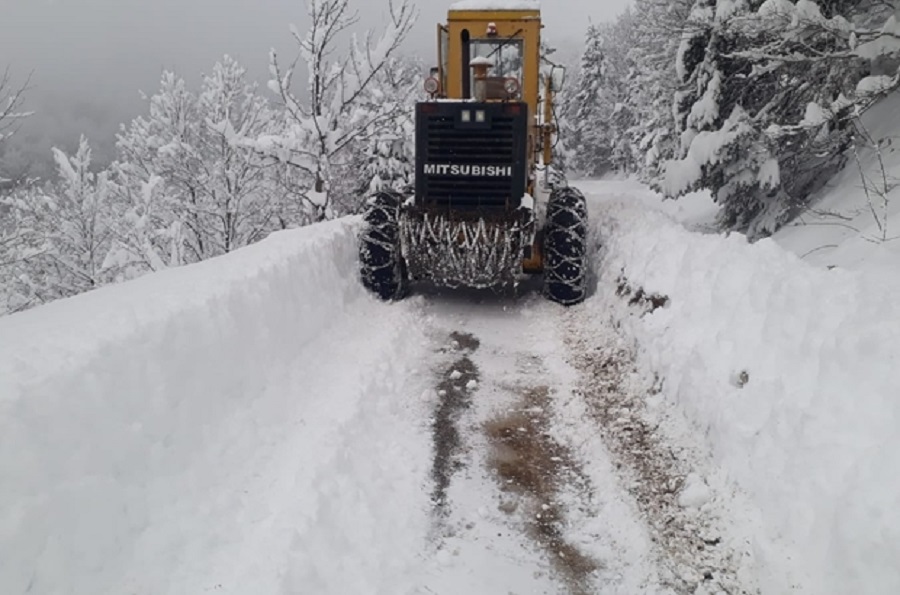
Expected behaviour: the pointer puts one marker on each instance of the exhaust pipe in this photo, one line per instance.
(480, 67)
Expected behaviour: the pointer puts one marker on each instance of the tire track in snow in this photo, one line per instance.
(527, 509)
(454, 392)
(559, 481)
(530, 465)
(687, 519)
(477, 546)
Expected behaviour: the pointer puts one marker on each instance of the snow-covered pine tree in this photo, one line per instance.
(587, 105)
(623, 99)
(768, 88)
(654, 35)
(337, 112)
(619, 93)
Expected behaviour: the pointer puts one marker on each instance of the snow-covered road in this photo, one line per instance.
(258, 424)
(532, 505)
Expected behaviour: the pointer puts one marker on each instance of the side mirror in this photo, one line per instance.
(557, 78)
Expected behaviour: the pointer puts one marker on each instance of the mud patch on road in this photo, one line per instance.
(456, 384)
(533, 467)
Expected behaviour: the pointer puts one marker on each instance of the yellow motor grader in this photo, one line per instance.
(486, 210)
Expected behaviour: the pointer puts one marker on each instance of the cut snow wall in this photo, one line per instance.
(814, 435)
(105, 391)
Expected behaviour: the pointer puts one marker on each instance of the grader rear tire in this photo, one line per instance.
(565, 247)
(382, 269)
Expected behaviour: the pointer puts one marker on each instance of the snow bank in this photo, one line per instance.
(77, 332)
(161, 436)
(813, 435)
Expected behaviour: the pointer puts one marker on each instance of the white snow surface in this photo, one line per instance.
(199, 430)
(813, 434)
(258, 424)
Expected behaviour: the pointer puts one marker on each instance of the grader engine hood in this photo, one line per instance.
(471, 156)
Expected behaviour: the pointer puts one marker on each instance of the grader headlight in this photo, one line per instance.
(432, 86)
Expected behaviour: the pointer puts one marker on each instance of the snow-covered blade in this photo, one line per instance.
(476, 252)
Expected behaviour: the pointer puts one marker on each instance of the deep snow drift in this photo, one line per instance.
(162, 436)
(790, 371)
(784, 353)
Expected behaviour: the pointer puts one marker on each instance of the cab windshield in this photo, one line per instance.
(505, 53)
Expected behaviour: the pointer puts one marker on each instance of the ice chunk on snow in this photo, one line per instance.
(455, 375)
(695, 492)
(472, 384)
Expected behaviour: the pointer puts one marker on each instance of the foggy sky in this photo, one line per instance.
(89, 58)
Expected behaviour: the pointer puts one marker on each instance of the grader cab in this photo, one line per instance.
(486, 210)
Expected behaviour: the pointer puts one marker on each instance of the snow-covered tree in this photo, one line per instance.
(653, 38)
(768, 86)
(63, 234)
(341, 107)
(386, 158)
(623, 98)
(588, 107)
(183, 179)
(12, 97)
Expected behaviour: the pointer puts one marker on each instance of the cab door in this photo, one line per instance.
(443, 55)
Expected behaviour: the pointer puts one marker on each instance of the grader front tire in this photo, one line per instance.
(382, 269)
(565, 247)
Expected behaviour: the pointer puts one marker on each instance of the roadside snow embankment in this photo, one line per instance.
(792, 373)
(165, 435)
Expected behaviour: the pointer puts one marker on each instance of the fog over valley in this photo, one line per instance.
(89, 61)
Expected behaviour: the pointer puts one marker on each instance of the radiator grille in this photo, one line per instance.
(500, 142)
